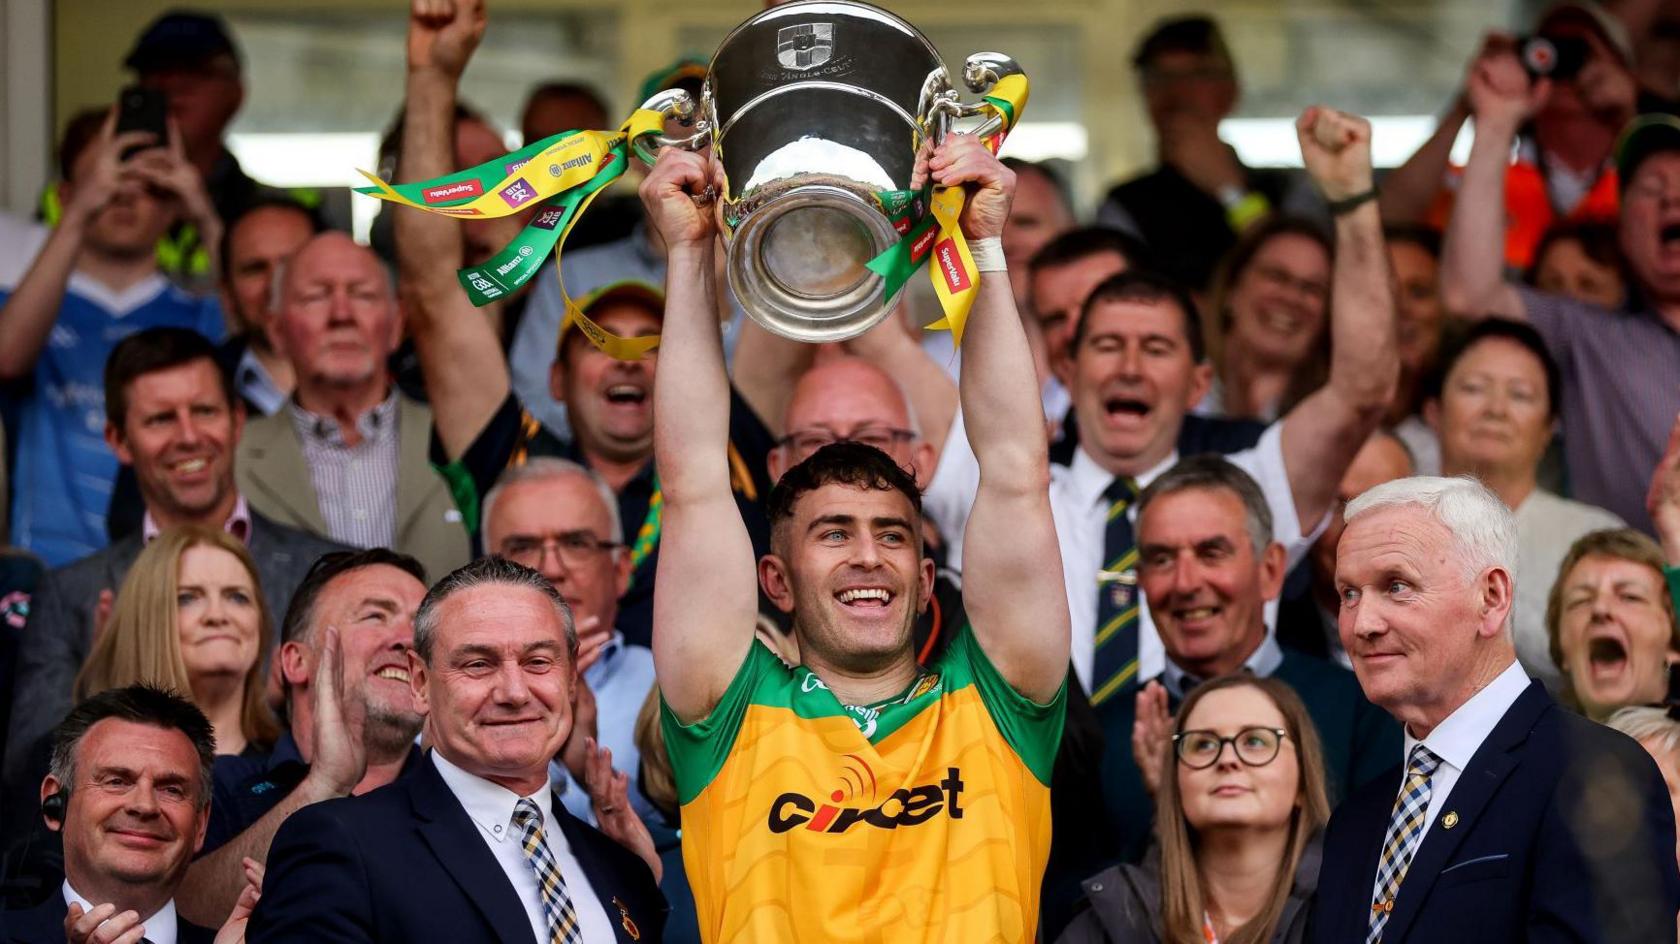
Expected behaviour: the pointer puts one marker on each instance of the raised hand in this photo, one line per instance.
(573, 754)
(591, 640)
(442, 34)
(233, 930)
(167, 169)
(102, 925)
(678, 195)
(1663, 498)
(1499, 90)
(962, 160)
(609, 797)
(96, 184)
(1336, 148)
(1152, 735)
(339, 758)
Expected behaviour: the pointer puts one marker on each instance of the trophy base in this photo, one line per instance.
(799, 263)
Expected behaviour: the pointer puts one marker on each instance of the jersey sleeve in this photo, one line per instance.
(699, 750)
(472, 474)
(1032, 730)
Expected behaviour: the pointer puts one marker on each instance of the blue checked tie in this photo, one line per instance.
(1114, 667)
(557, 905)
(1405, 830)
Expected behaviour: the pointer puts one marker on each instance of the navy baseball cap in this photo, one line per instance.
(181, 38)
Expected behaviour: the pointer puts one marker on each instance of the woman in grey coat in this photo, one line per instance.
(1242, 802)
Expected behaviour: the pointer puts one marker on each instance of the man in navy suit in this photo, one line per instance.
(1509, 818)
(130, 792)
(473, 846)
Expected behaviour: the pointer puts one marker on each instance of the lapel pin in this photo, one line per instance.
(1450, 820)
(624, 919)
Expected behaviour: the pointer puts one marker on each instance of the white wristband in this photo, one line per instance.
(988, 254)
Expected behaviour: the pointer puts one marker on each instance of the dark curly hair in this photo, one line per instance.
(840, 463)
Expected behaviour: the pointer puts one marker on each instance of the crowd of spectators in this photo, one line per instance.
(241, 446)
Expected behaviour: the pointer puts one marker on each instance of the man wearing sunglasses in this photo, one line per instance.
(1207, 565)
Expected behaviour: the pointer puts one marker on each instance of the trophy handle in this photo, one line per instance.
(673, 104)
(981, 72)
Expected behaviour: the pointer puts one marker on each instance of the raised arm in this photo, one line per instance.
(1409, 189)
(705, 594)
(933, 396)
(1473, 254)
(1012, 565)
(1322, 434)
(28, 315)
(766, 369)
(460, 357)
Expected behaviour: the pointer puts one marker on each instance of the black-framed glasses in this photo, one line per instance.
(803, 442)
(1255, 746)
(573, 548)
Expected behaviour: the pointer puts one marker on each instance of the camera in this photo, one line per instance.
(1553, 57)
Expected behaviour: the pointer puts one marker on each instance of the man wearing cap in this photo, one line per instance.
(1621, 369)
(1563, 168)
(638, 257)
(189, 56)
(482, 425)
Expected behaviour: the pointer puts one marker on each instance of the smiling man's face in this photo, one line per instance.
(373, 608)
(136, 813)
(498, 687)
(848, 564)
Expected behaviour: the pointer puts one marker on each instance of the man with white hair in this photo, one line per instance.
(1510, 818)
(561, 519)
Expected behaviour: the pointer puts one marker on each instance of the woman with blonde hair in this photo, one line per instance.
(190, 615)
(1241, 807)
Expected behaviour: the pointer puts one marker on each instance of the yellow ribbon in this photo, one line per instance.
(955, 279)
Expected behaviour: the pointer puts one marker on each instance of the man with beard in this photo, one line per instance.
(482, 426)
(822, 802)
(343, 658)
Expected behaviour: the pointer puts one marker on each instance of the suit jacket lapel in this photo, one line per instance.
(1492, 763)
(602, 876)
(279, 471)
(414, 470)
(268, 547)
(453, 838)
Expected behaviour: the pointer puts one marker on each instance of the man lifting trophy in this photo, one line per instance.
(857, 796)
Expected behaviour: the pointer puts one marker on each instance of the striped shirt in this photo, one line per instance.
(356, 486)
(1621, 391)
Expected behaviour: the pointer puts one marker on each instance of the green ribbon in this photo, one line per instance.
(907, 209)
(521, 259)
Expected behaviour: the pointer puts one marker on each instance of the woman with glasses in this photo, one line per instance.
(1241, 806)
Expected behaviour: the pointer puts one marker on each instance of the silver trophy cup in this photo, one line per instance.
(816, 110)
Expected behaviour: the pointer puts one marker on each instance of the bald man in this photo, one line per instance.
(347, 456)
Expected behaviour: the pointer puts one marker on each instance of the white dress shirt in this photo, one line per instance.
(1457, 739)
(1081, 516)
(490, 807)
(161, 928)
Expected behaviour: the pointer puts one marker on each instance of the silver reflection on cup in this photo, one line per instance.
(815, 109)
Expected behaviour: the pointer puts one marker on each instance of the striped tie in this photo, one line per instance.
(1114, 666)
(1405, 830)
(557, 905)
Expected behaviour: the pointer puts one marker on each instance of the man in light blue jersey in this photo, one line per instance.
(94, 282)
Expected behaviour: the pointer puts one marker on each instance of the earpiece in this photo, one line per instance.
(53, 805)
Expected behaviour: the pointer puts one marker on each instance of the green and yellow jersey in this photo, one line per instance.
(925, 818)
